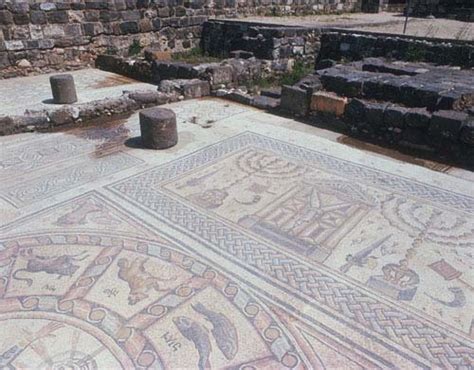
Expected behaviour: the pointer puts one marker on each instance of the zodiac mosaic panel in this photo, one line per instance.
(138, 305)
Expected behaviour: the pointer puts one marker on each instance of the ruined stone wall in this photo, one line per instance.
(219, 38)
(39, 36)
(339, 44)
(457, 9)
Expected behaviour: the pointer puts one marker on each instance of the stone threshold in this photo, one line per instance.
(70, 114)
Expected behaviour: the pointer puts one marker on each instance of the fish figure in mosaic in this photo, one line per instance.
(223, 330)
(361, 258)
(197, 334)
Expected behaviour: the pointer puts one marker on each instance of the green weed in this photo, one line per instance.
(135, 48)
(194, 56)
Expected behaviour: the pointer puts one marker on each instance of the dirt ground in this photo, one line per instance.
(381, 22)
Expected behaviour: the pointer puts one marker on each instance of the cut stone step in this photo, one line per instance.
(265, 102)
(295, 100)
(271, 92)
(327, 102)
(437, 89)
(396, 123)
(399, 69)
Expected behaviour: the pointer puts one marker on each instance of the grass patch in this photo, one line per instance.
(135, 48)
(415, 53)
(194, 56)
(263, 83)
(299, 70)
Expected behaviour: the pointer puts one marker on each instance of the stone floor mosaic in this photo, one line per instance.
(256, 243)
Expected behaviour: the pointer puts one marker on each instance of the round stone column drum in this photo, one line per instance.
(63, 88)
(158, 128)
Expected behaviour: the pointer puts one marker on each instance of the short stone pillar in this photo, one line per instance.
(64, 90)
(158, 128)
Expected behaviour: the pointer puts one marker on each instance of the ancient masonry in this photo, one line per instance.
(43, 35)
(458, 9)
(38, 36)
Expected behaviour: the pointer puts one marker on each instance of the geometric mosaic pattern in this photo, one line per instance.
(249, 253)
(398, 326)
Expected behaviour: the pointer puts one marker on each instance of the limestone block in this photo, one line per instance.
(45, 44)
(21, 18)
(4, 61)
(240, 97)
(327, 102)
(295, 100)
(374, 114)
(271, 92)
(6, 17)
(265, 102)
(36, 32)
(418, 118)
(53, 31)
(73, 30)
(92, 15)
(48, 6)
(414, 135)
(14, 45)
(157, 24)
(152, 54)
(447, 124)
(311, 83)
(395, 116)
(7, 126)
(58, 16)
(146, 97)
(109, 15)
(467, 132)
(61, 116)
(129, 27)
(92, 29)
(355, 111)
(220, 75)
(20, 33)
(131, 15)
(196, 89)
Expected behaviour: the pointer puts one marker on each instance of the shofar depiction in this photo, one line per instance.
(63, 88)
(158, 128)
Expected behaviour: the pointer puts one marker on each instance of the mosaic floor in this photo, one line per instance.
(256, 243)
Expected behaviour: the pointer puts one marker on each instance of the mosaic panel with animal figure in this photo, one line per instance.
(283, 211)
(135, 305)
(146, 302)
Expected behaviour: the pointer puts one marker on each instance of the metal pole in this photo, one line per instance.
(407, 10)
